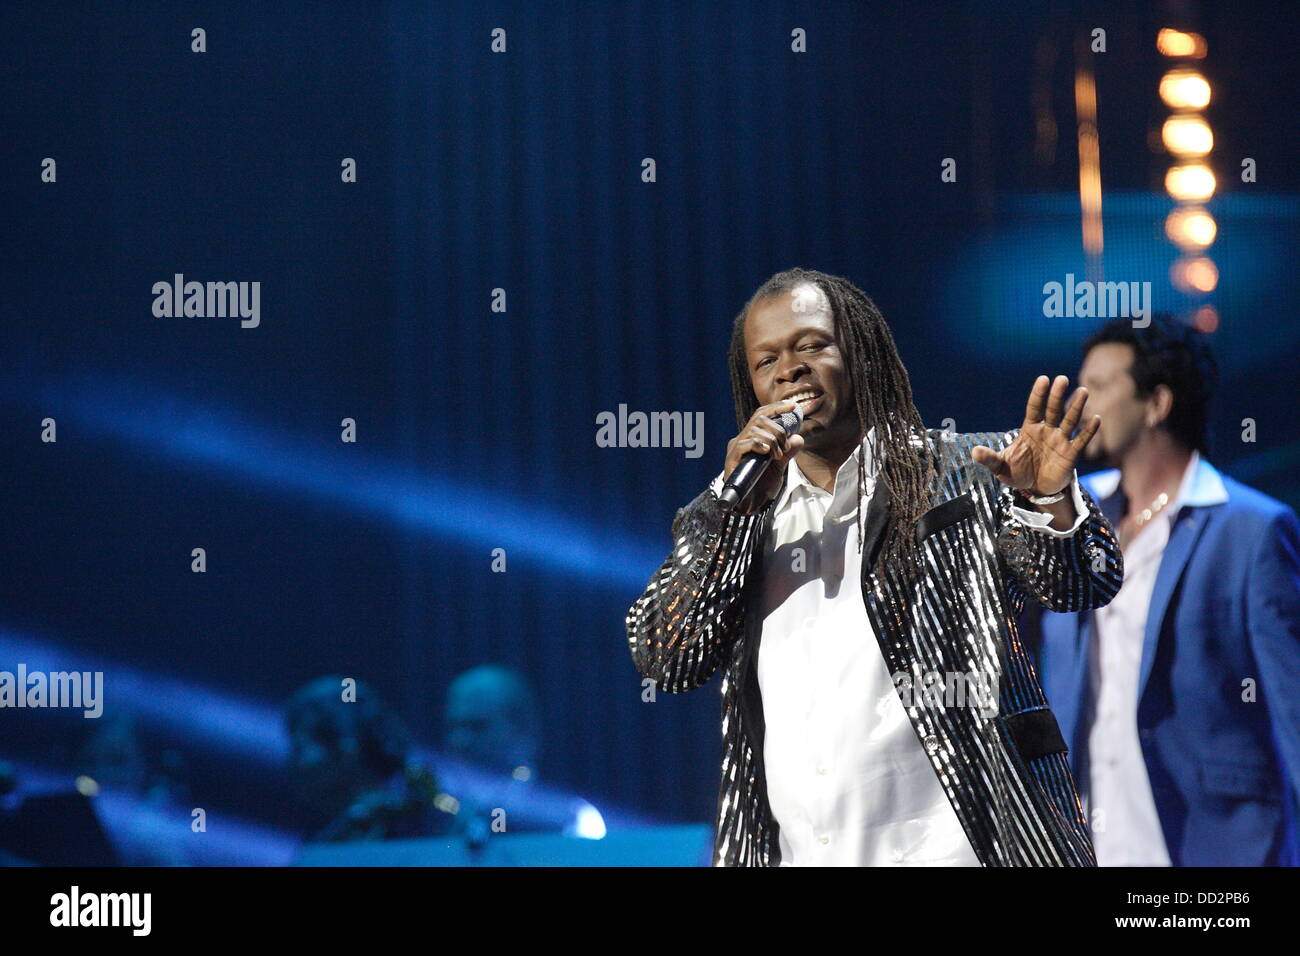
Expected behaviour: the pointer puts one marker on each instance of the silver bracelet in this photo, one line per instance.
(1046, 499)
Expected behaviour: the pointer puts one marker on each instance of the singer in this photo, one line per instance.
(870, 555)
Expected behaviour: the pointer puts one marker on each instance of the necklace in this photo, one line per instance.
(1147, 514)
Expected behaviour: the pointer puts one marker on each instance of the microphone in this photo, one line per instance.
(745, 476)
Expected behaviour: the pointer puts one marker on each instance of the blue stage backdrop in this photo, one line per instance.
(535, 236)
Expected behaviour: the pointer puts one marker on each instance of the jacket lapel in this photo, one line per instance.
(1077, 717)
(1182, 540)
(873, 525)
(1080, 714)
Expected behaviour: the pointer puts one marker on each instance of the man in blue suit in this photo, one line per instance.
(1180, 700)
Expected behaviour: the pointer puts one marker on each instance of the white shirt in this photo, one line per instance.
(847, 779)
(1125, 823)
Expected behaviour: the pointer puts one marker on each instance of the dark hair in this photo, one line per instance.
(882, 395)
(383, 741)
(1174, 354)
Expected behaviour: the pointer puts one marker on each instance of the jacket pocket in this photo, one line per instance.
(944, 515)
(1035, 733)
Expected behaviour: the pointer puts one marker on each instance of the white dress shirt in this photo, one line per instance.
(847, 779)
(1126, 826)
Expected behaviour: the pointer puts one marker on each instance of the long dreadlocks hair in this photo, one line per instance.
(882, 395)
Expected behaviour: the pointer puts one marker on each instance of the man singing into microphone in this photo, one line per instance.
(874, 569)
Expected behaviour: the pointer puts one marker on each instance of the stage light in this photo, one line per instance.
(1190, 228)
(1195, 275)
(1190, 183)
(590, 825)
(1085, 106)
(1187, 135)
(1206, 319)
(1185, 90)
(1177, 43)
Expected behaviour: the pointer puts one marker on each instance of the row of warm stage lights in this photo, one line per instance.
(1189, 181)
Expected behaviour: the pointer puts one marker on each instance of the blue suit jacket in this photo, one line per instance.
(1225, 772)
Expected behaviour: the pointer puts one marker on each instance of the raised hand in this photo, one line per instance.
(1041, 459)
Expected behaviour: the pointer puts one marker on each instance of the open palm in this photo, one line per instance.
(1041, 458)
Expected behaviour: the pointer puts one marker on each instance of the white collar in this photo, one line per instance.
(796, 480)
(1201, 485)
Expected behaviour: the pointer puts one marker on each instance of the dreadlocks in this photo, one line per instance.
(882, 396)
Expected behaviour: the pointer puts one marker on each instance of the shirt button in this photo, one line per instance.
(823, 840)
(823, 771)
(931, 745)
(898, 856)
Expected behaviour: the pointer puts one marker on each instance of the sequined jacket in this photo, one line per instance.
(1003, 768)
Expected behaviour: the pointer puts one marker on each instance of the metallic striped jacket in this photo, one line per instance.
(1003, 767)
